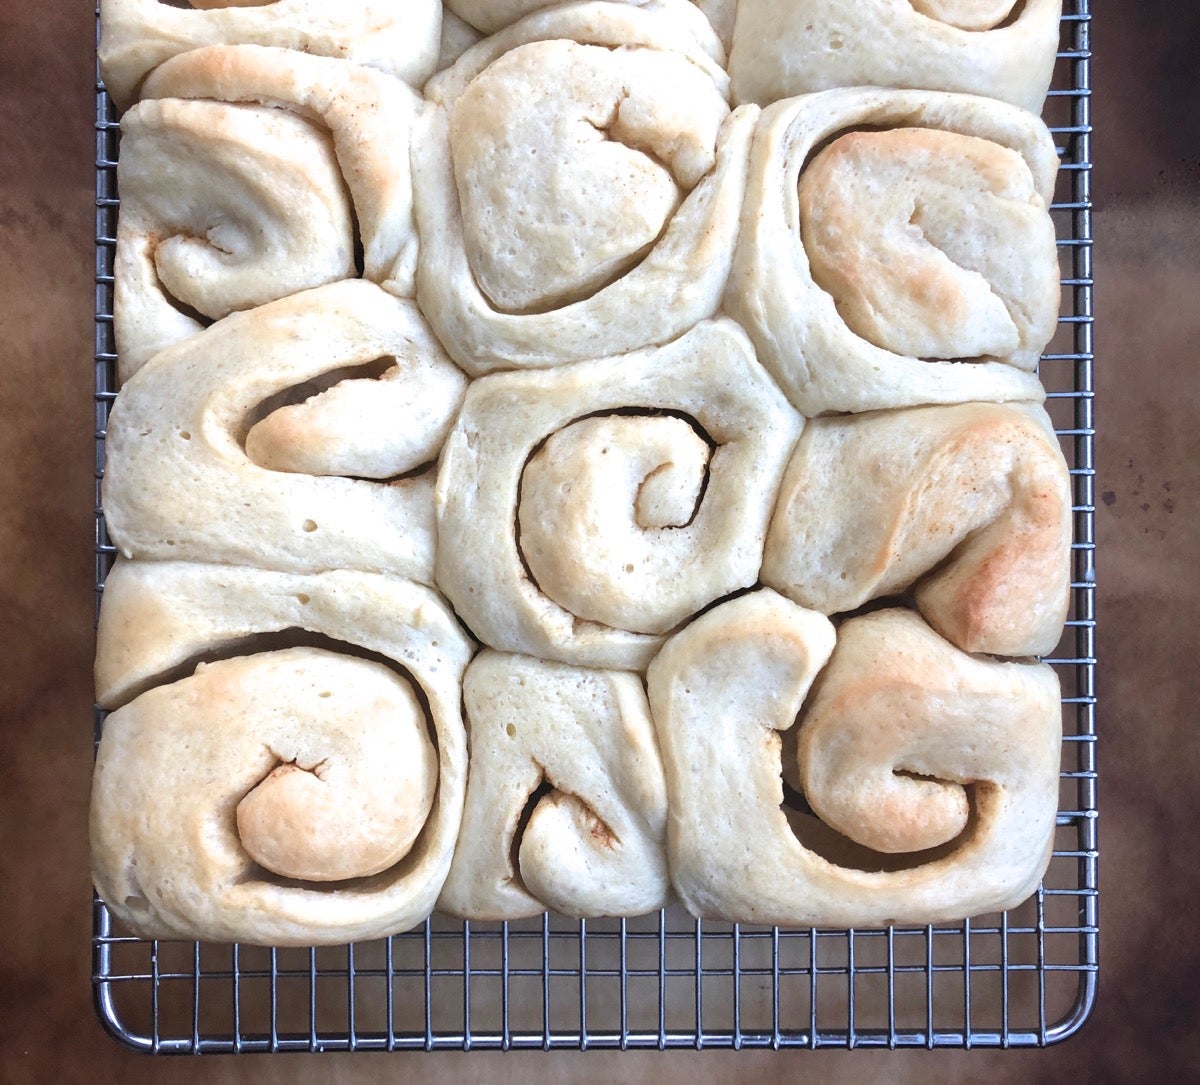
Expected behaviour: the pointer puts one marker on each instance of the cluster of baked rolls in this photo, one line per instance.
(576, 456)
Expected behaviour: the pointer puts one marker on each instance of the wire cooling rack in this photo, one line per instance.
(1023, 978)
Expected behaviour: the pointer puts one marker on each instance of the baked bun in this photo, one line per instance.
(584, 512)
(250, 792)
(367, 115)
(231, 446)
(967, 506)
(136, 36)
(223, 208)
(577, 183)
(908, 264)
(594, 843)
(248, 174)
(935, 773)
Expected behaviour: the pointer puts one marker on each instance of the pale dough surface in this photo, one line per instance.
(400, 39)
(223, 207)
(367, 114)
(626, 238)
(783, 48)
(595, 845)
(457, 37)
(181, 483)
(188, 743)
(490, 16)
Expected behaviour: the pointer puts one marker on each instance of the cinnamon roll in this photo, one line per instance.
(276, 219)
(1002, 49)
(368, 116)
(136, 36)
(299, 436)
(566, 805)
(930, 776)
(577, 186)
(226, 205)
(585, 512)
(247, 789)
(897, 249)
(968, 506)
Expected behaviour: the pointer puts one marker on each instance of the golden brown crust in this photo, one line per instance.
(969, 506)
(933, 244)
(894, 699)
(816, 354)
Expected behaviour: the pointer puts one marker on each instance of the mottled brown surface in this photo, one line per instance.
(1148, 297)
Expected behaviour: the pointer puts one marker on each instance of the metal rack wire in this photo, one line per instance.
(1022, 978)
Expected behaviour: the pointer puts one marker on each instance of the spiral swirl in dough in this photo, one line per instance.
(369, 118)
(644, 482)
(595, 843)
(283, 796)
(969, 503)
(907, 743)
(203, 457)
(577, 187)
(917, 264)
(1003, 49)
(344, 774)
(399, 40)
(223, 207)
(226, 205)
(909, 277)
(628, 481)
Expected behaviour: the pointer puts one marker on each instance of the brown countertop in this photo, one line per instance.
(1148, 301)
